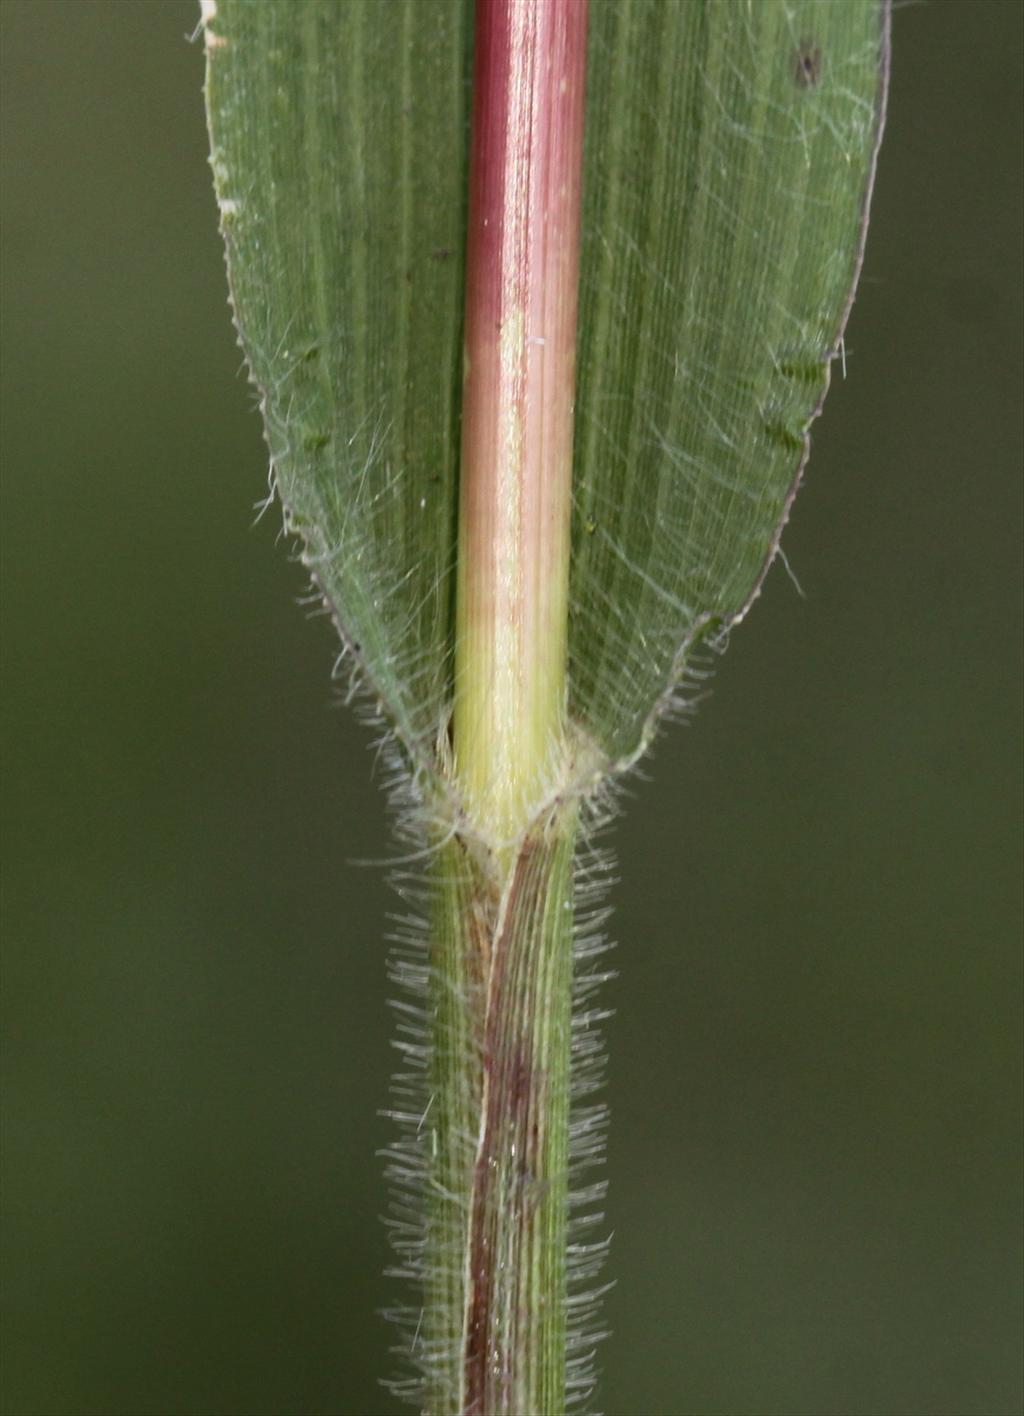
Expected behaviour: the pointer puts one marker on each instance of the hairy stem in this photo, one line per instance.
(494, 1343)
(494, 1334)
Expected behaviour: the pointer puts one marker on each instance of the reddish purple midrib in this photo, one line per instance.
(522, 270)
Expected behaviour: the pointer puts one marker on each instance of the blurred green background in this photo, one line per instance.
(815, 1164)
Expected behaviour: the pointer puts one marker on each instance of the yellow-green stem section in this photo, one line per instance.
(516, 463)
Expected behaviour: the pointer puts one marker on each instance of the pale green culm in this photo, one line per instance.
(729, 157)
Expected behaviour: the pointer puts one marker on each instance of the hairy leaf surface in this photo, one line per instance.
(339, 146)
(730, 148)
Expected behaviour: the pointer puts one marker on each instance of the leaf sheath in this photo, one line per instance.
(493, 1340)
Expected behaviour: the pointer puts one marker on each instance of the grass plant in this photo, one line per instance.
(540, 298)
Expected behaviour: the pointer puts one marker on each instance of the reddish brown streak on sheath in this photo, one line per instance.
(510, 1086)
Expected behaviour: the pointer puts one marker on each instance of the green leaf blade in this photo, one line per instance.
(730, 151)
(339, 142)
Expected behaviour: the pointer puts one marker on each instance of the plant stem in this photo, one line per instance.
(522, 271)
(494, 1340)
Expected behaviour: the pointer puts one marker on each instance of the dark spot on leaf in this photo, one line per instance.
(805, 372)
(784, 436)
(807, 64)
